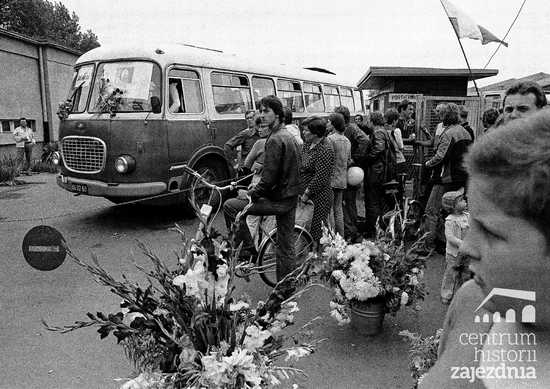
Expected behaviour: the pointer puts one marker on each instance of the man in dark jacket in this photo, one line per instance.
(278, 189)
(379, 166)
(359, 145)
(452, 146)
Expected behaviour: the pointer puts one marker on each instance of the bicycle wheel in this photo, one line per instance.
(303, 245)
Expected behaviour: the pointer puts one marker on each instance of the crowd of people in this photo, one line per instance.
(309, 163)
(501, 174)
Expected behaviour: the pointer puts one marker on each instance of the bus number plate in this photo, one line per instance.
(79, 188)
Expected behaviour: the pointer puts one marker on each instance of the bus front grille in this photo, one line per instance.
(83, 154)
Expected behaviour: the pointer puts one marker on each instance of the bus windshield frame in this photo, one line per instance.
(125, 86)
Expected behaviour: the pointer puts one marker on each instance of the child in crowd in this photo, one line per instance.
(456, 226)
(508, 246)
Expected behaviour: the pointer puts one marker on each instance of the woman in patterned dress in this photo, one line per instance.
(316, 173)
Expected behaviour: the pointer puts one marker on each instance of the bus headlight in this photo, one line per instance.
(56, 158)
(125, 164)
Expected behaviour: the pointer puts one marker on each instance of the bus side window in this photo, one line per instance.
(185, 92)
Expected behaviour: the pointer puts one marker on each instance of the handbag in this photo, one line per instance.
(304, 214)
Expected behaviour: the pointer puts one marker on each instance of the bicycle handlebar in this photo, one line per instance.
(197, 175)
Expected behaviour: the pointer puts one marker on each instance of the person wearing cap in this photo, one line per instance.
(456, 226)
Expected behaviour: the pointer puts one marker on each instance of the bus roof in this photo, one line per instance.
(167, 54)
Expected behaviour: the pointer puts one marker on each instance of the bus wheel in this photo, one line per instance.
(213, 171)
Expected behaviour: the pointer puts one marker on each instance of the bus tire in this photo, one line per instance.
(214, 170)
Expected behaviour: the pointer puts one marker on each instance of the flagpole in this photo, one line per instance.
(463, 52)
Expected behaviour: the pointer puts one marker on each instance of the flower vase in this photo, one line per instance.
(367, 316)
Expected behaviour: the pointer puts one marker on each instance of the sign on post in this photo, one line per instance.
(44, 248)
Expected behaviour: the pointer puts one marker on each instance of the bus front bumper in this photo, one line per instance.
(102, 189)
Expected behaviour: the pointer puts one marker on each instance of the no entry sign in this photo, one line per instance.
(44, 248)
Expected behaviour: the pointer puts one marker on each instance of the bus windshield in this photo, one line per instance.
(125, 87)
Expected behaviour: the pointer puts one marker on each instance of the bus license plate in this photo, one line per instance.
(79, 188)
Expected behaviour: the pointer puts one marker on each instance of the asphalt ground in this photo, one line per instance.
(32, 357)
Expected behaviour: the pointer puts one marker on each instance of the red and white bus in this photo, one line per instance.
(136, 112)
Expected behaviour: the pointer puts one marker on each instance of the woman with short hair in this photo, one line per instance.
(342, 159)
(316, 173)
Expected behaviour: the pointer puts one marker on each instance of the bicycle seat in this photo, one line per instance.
(391, 187)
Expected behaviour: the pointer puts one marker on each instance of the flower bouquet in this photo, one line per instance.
(422, 354)
(186, 330)
(380, 272)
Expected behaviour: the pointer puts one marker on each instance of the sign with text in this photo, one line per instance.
(399, 97)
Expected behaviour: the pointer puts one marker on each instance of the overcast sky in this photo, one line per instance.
(345, 36)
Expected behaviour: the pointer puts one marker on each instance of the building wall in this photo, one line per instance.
(21, 93)
(20, 87)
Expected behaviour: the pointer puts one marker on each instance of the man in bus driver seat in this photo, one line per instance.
(277, 191)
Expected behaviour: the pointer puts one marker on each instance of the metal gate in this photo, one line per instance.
(427, 119)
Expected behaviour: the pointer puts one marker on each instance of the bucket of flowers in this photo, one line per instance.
(371, 278)
(185, 329)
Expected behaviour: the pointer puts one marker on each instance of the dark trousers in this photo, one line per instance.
(24, 155)
(285, 214)
(350, 212)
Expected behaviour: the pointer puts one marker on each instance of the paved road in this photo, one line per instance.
(31, 357)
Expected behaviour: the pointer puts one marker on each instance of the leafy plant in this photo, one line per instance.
(422, 354)
(9, 168)
(186, 329)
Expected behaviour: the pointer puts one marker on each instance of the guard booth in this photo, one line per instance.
(425, 88)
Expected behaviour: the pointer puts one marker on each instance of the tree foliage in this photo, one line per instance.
(42, 19)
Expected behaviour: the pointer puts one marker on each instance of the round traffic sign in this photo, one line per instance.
(44, 248)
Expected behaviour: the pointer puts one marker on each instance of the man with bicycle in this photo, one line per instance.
(278, 189)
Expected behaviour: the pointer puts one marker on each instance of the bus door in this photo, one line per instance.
(231, 99)
(188, 125)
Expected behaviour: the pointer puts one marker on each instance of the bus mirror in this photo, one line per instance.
(155, 104)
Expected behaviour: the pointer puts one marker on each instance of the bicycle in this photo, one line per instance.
(264, 263)
(406, 216)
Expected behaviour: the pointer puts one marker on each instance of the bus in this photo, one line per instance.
(133, 113)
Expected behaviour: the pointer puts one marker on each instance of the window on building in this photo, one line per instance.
(290, 93)
(332, 99)
(346, 98)
(184, 92)
(7, 126)
(262, 87)
(231, 93)
(357, 101)
(313, 98)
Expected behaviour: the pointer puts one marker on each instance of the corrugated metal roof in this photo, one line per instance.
(377, 74)
(541, 78)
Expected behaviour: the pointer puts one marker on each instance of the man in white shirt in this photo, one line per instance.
(24, 140)
(291, 127)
